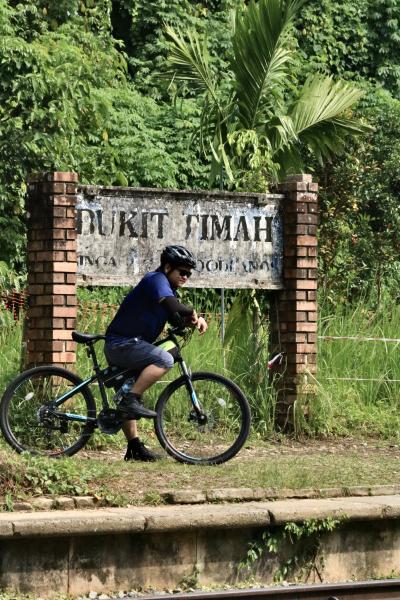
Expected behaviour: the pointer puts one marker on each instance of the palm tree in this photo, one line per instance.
(245, 121)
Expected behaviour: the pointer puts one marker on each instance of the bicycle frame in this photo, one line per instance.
(110, 374)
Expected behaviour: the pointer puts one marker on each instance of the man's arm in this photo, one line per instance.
(181, 315)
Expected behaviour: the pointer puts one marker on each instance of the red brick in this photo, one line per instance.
(71, 256)
(66, 176)
(305, 284)
(306, 306)
(57, 188)
(311, 229)
(71, 278)
(297, 229)
(312, 251)
(307, 263)
(64, 311)
(303, 327)
(313, 187)
(63, 357)
(312, 273)
(70, 346)
(296, 295)
(71, 300)
(71, 234)
(312, 295)
(64, 223)
(61, 334)
(64, 245)
(293, 186)
(66, 267)
(71, 188)
(308, 198)
(71, 212)
(295, 207)
(50, 256)
(60, 212)
(300, 338)
(64, 289)
(311, 316)
(292, 316)
(66, 201)
(295, 273)
(307, 240)
(310, 219)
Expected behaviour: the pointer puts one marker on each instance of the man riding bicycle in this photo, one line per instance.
(137, 324)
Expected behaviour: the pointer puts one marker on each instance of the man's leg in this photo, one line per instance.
(136, 450)
(147, 377)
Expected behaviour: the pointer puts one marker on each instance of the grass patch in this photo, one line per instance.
(276, 465)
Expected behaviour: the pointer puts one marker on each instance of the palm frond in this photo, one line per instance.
(322, 100)
(188, 61)
(260, 56)
(318, 116)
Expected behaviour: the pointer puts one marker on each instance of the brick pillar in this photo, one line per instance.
(52, 265)
(294, 310)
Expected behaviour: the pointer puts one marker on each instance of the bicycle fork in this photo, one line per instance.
(189, 385)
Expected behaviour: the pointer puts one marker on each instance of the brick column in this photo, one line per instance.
(294, 310)
(52, 266)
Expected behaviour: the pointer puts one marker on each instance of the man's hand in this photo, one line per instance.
(199, 322)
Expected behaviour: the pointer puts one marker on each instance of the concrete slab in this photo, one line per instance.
(359, 508)
(71, 522)
(230, 516)
(192, 517)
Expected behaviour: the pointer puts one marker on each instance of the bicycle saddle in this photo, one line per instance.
(86, 338)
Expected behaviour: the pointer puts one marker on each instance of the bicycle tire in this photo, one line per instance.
(185, 439)
(26, 395)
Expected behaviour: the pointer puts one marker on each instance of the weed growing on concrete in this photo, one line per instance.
(296, 546)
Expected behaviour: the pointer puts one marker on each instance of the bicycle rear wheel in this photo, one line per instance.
(27, 418)
(213, 440)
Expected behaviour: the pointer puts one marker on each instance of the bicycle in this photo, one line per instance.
(202, 418)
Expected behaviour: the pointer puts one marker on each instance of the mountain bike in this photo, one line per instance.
(202, 418)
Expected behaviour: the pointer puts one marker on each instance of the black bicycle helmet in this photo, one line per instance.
(178, 256)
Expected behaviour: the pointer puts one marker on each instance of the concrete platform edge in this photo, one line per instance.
(193, 517)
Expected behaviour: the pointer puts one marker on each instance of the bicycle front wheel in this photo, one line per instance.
(31, 424)
(211, 440)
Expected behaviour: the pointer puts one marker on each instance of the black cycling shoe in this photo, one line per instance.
(131, 407)
(138, 451)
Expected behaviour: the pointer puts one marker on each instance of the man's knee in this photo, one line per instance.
(165, 360)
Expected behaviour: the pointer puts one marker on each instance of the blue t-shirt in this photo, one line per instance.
(141, 314)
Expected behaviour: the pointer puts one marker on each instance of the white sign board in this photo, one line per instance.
(236, 238)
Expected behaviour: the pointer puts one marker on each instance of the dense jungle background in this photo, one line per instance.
(89, 86)
(81, 88)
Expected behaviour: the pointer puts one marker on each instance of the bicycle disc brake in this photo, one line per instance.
(109, 421)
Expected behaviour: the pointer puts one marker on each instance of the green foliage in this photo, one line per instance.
(360, 224)
(297, 547)
(248, 119)
(66, 104)
(353, 39)
(140, 25)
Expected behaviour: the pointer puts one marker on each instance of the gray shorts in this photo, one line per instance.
(137, 354)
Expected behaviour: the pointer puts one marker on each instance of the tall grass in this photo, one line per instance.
(10, 344)
(358, 382)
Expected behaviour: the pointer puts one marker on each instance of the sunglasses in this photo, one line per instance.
(184, 273)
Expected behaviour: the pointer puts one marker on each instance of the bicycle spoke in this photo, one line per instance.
(30, 421)
(216, 433)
